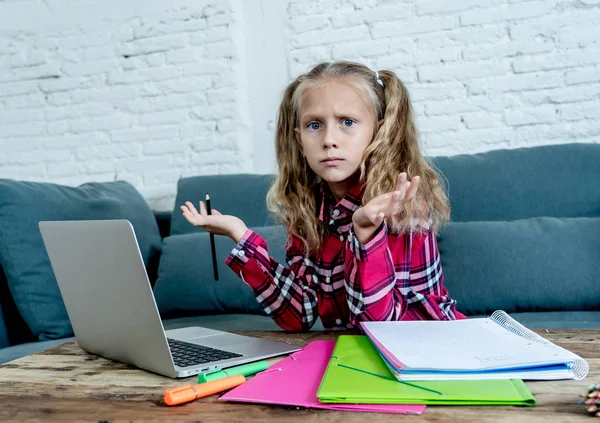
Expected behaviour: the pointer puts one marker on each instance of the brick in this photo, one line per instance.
(413, 26)
(450, 106)
(65, 169)
(462, 71)
(528, 116)
(363, 48)
(31, 172)
(309, 23)
(76, 140)
(101, 123)
(437, 91)
(557, 60)
(90, 68)
(31, 73)
(155, 29)
(579, 111)
(482, 120)
(583, 75)
(142, 134)
(463, 36)
(567, 94)
(505, 13)
(183, 55)
(521, 82)
(22, 129)
(18, 88)
(505, 49)
(24, 101)
(426, 7)
(98, 52)
(165, 117)
(62, 84)
(313, 38)
(113, 151)
(393, 12)
(153, 45)
(79, 110)
(214, 112)
(218, 33)
(31, 157)
(219, 49)
(441, 55)
(144, 75)
(23, 115)
(582, 33)
(439, 123)
(165, 146)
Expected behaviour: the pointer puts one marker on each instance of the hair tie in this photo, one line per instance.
(379, 81)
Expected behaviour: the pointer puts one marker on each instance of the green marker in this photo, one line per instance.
(244, 370)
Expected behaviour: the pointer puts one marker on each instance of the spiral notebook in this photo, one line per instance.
(496, 347)
(294, 382)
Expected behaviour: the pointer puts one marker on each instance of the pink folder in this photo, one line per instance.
(294, 382)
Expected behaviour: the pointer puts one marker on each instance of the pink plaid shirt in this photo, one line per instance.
(394, 276)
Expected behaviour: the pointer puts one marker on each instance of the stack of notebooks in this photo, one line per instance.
(400, 367)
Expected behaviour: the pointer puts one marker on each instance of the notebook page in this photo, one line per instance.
(472, 344)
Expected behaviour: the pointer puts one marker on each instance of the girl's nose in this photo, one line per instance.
(329, 140)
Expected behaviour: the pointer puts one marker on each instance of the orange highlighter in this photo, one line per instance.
(189, 393)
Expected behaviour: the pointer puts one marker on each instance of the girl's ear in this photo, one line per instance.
(379, 124)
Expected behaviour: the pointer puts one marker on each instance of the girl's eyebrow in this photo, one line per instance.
(316, 116)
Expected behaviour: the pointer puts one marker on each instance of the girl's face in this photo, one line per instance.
(336, 125)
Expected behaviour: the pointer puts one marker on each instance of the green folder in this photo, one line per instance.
(349, 378)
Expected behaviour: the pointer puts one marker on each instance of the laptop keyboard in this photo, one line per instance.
(186, 354)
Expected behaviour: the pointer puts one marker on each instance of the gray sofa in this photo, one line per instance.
(524, 237)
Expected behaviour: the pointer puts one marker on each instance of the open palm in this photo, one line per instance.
(387, 205)
(216, 223)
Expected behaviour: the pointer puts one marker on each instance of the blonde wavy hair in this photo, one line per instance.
(394, 149)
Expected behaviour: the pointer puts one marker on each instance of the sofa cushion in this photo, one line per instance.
(4, 341)
(242, 195)
(552, 180)
(537, 264)
(186, 285)
(17, 331)
(22, 252)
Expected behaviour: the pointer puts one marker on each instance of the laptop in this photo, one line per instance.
(109, 300)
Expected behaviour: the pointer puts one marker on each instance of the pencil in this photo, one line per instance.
(212, 242)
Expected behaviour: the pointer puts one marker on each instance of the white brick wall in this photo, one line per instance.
(141, 91)
(152, 91)
(483, 74)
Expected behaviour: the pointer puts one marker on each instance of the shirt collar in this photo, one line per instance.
(331, 211)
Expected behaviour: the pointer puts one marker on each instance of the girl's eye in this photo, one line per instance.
(348, 122)
(314, 126)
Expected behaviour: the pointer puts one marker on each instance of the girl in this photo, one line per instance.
(359, 202)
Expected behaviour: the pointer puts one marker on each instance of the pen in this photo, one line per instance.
(187, 393)
(244, 370)
(212, 242)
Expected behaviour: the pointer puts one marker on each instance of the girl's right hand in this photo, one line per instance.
(216, 223)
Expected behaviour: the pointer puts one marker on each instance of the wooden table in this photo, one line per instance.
(68, 385)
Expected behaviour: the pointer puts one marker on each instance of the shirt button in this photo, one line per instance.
(342, 238)
(338, 322)
(241, 253)
(336, 213)
(327, 279)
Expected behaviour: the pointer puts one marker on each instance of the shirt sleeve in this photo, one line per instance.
(397, 277)
(287, 294)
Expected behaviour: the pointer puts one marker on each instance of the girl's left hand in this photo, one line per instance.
(367, 218)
